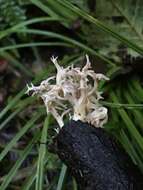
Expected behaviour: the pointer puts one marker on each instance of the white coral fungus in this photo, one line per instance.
(75, 88)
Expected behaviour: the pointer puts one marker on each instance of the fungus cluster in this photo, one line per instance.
(73, 91)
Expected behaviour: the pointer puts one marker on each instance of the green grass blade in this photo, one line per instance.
(34, 44)
(9, 118)
(127, 144)
(74, 184)
(25, 102)
(42, 153)
(119, 105)
(16, 99)
(100, 25)
(8, 178)
(29, 182)
(129, 124)
(9, 31)
(19, 106)
(12, 103)
(15, 63)
(22, 131)
(135, 93)
(136, 85)
(62, 177)
(128, 20)
(66, 39)
(138, 115)
(44, 8)
(61, 10)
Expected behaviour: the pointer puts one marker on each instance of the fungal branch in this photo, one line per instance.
(73, 91)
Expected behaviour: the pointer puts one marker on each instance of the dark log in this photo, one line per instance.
(95, 160)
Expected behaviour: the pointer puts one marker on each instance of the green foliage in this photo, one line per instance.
(82, 4)
(11, 13)
(101, 34)
(125, 18)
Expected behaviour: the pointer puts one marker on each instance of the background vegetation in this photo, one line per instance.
(111, 33)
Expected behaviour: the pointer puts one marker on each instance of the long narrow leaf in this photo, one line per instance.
(42, 153)
(34, 44)
(8, 178)
(62, 177)
(23, 24)
(66, 39)
(16, 63)
(12, 103)
(44, 8)
(129, 124)
(19, 135)
(9, 118)
(100, 25)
